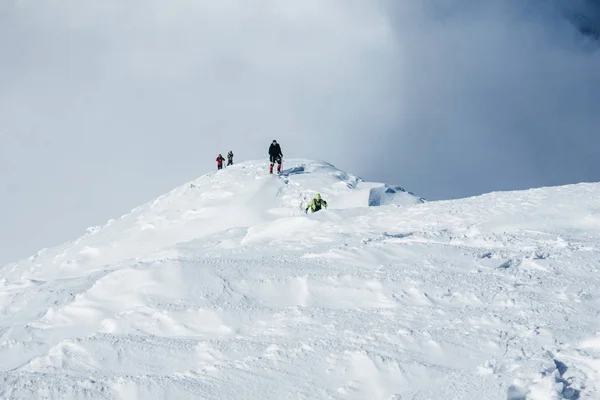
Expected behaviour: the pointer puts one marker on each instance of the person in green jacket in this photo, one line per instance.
(316, 204)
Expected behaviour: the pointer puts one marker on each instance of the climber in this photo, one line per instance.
(230, 158)
(220, 160)
(316, 204)
(275, 156)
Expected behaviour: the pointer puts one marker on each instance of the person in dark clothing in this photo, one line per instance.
(220, 160)
(275, 156)
(230, 158)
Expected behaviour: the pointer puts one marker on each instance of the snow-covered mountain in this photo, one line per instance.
(225, 289)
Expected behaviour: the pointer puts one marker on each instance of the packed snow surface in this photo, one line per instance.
(225, 289)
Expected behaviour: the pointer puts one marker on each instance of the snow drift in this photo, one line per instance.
(224, 288)
(386, 195)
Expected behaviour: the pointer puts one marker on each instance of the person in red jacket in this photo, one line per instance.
(220, 160)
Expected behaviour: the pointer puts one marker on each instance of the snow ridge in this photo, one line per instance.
(223, 288)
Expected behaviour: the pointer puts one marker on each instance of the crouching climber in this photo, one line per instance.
(316, 204)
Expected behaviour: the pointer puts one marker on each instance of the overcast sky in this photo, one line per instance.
(105, 105)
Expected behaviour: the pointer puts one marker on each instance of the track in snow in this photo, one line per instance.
(494, 296)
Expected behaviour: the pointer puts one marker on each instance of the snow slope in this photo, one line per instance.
(225, 289)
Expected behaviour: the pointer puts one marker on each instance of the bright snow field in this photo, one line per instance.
(225, 289)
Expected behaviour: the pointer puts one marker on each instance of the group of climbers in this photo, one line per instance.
(220, 160)
(276, 157)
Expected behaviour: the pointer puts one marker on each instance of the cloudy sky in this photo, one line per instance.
(107, 104)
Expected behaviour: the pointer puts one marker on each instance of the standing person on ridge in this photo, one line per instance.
(316, 204)
(230, 158)
(275, 156)
(220, 160)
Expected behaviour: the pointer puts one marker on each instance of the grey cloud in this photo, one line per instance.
(495, 96)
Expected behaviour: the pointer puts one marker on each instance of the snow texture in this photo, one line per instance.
(225, 289)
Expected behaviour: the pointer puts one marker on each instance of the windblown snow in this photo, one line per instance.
(225, 289)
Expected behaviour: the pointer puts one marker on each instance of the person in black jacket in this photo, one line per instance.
(275, 156)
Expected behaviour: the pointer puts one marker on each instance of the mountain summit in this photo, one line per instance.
(225, 289)
(239, 197)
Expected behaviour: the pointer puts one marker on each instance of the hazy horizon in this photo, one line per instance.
(105, 106)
